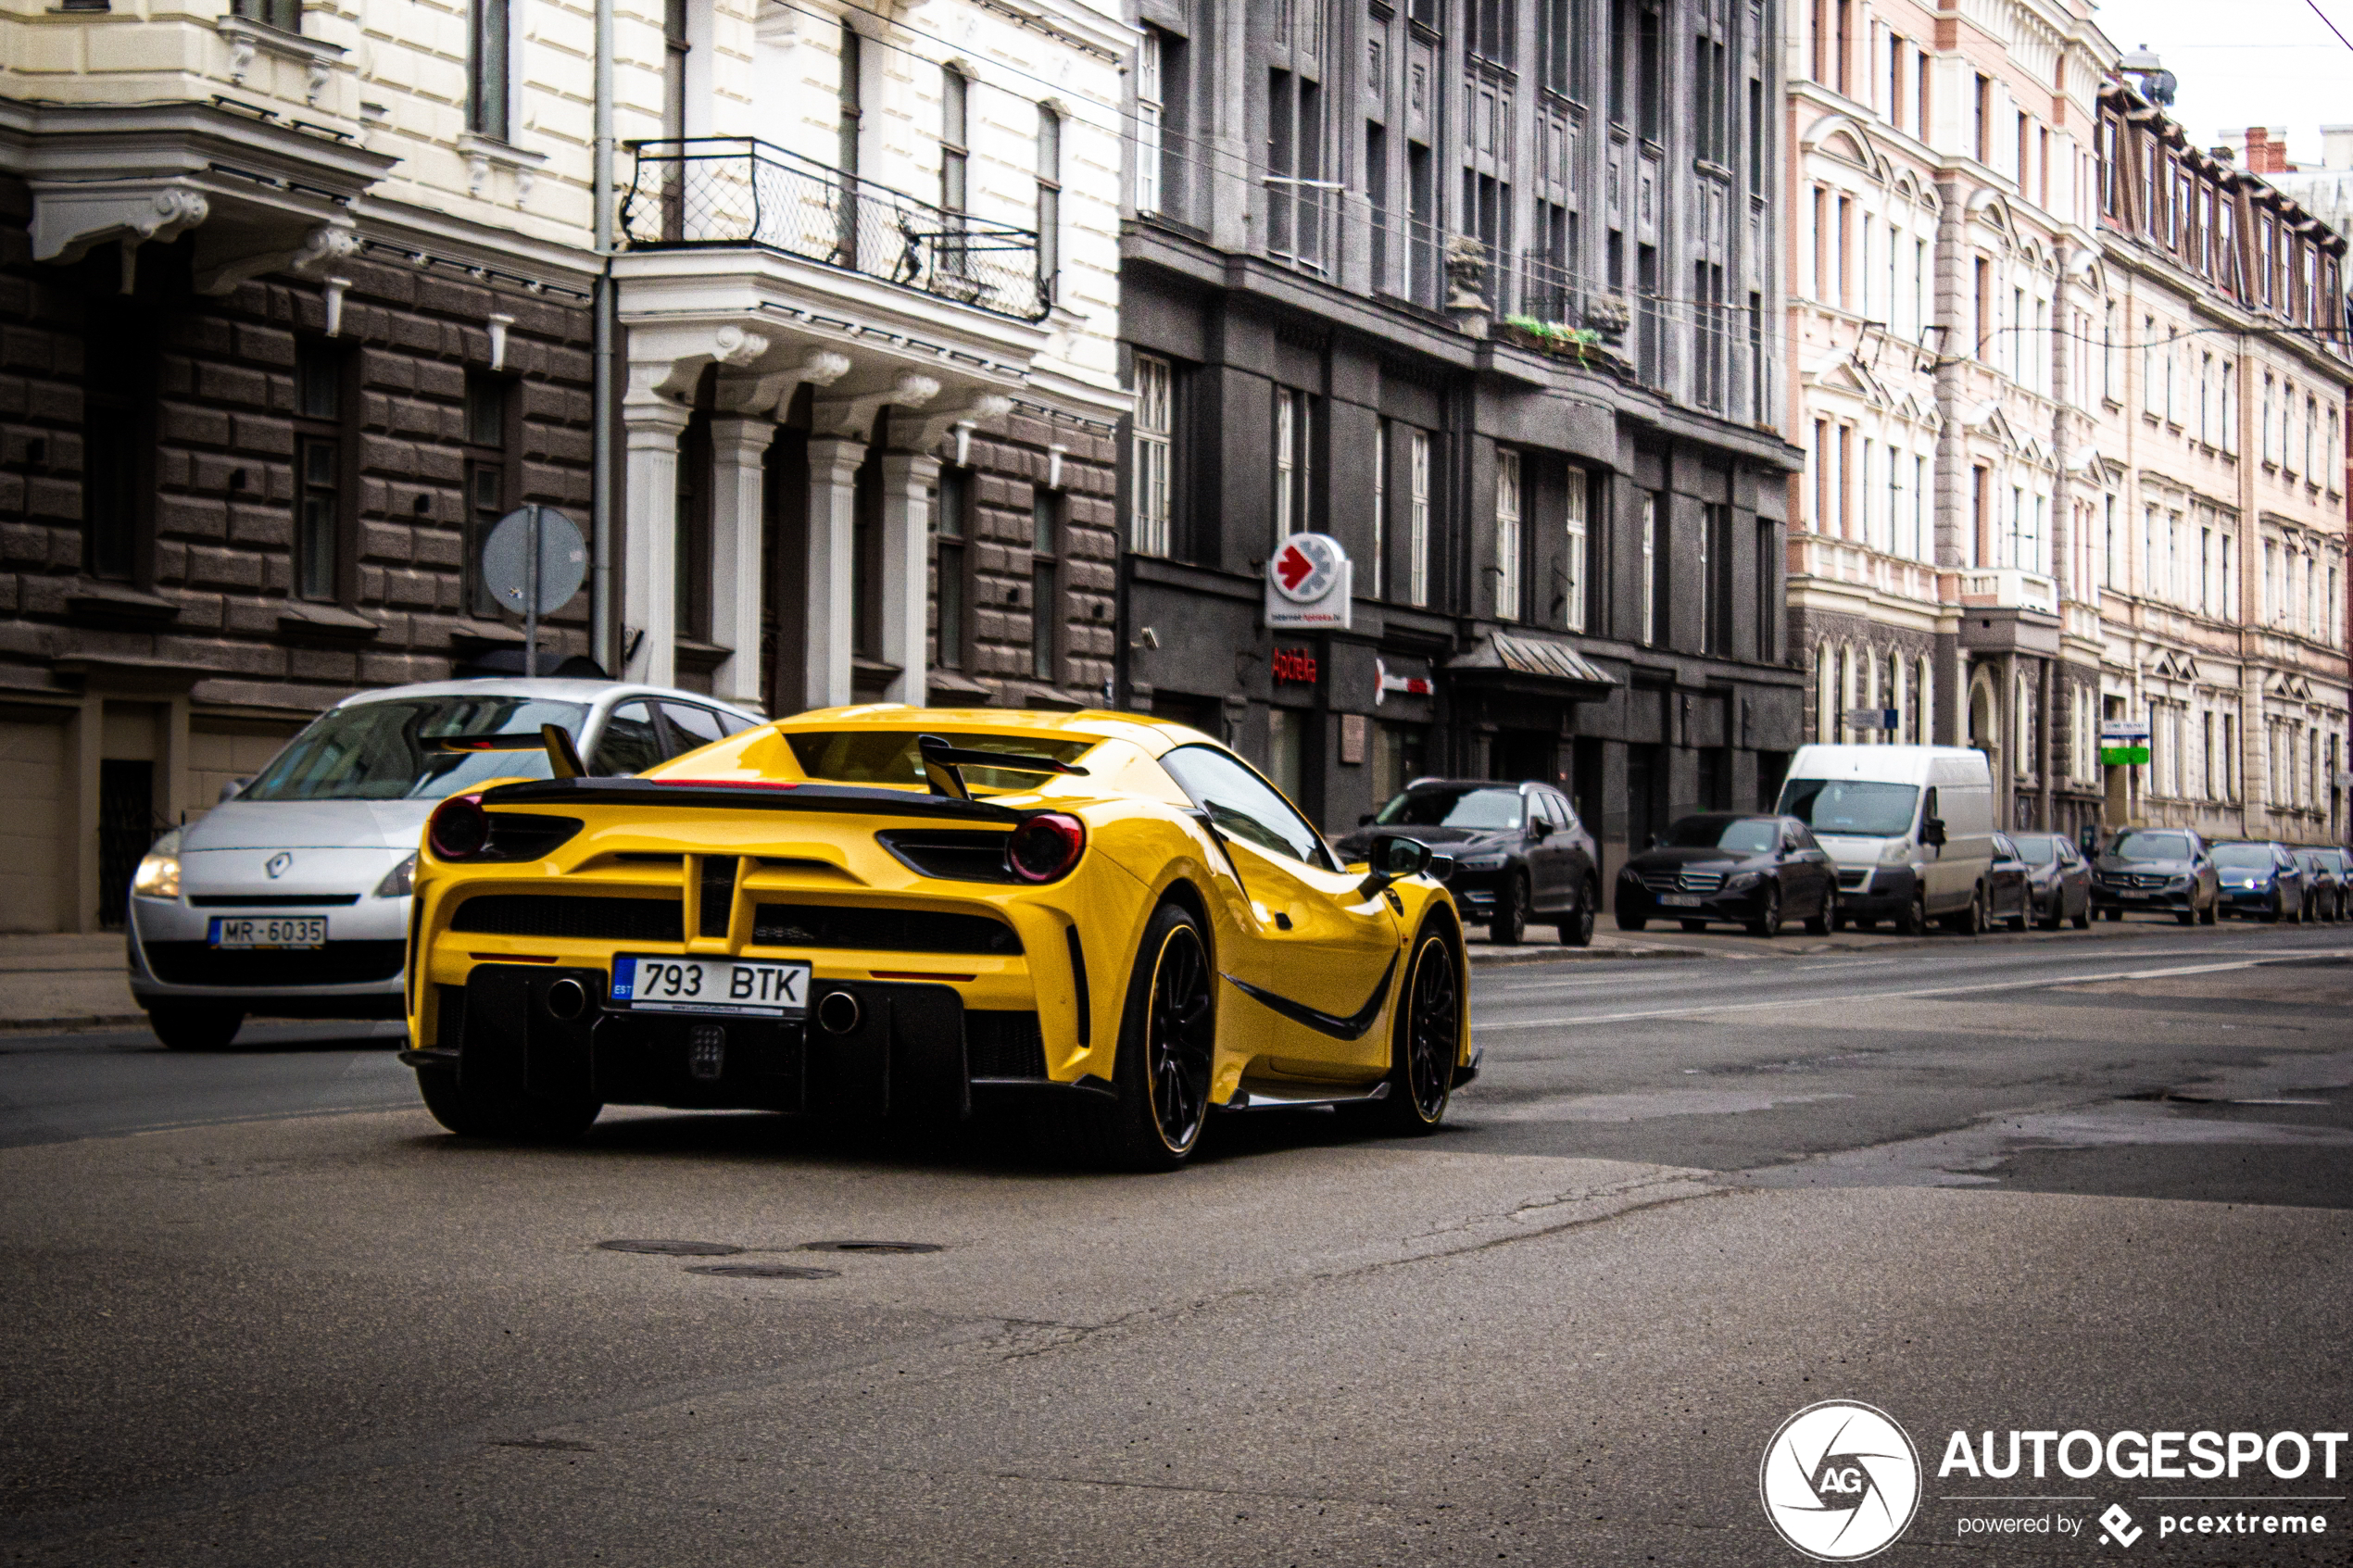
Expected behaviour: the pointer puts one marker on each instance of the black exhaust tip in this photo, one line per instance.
(838, 1013)
(567, 999)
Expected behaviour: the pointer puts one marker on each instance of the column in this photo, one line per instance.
(908, 480)
(651, 423)
(833, 496)
(738, 456)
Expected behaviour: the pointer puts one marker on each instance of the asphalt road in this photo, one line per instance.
(260, 1311)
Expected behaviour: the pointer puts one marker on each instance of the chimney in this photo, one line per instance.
(2336, 146)
(2263, 154)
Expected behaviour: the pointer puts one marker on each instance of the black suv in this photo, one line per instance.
(1521, 857)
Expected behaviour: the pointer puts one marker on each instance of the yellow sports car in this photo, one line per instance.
(892, 909)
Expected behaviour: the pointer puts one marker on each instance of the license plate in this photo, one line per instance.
(646, 984)
(267, 931)
(1681, 900)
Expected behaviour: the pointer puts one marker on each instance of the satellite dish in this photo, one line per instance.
(533, 563)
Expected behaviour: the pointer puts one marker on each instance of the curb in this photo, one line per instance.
(78, 1020)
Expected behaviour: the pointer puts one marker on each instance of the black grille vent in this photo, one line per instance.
(557, 914)
(1003, 1045)
(337, 963)
(949, 854)
(718, 900)
(274, 901)
(879, 928)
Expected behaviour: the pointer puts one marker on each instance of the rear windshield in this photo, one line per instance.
(2255, 855)
(2151, 846)
(2035, 850)
(383, 751)
(1851, 806)
(888, 757)
(1462, 807)
(1753, 835)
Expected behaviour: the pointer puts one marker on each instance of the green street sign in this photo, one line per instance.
(2124, 756)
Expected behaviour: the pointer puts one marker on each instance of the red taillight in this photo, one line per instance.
(1046, 847)
(458, 829)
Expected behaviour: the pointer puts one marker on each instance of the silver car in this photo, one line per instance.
(290, 898)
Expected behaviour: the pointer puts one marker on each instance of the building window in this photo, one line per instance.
(850, 124)
(1045, 596)
(690, 545)
(320, 402)
(488, 72)
(118, 442)
(283, 15)
(1154, 444)
(1380, 509)
(950, 531)
(1507, 537)
(1149, 117)
(489, 401)
(1652, 560)
(1574, 548)
(1294, 463)
(1050, 197)
(1768, 590)
(1295, 169)
(1716, 573)
(953, 152)
(1418, 523)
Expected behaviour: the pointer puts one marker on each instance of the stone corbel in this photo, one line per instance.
(925, 434)
(484, 154)
(853, 418)
(325, 243)
(245, 39)
(769, 394)
(664, 365)
(68, 219)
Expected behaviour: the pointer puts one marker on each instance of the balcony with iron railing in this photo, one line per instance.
(722, 192)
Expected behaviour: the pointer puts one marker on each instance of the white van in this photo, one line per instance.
(1911, 828)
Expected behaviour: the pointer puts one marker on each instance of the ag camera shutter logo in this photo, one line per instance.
(1840, 1481)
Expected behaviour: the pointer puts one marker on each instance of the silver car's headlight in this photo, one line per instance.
(1896, 854)
(400, 881)
(158, 874)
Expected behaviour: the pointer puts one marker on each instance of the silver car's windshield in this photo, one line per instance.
(384, 751)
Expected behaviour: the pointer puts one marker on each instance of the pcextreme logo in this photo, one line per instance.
(1840, 1481)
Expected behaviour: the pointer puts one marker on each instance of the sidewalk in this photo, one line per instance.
(64, 981)
(1728, 942)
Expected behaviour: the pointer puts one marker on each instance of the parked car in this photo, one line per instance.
(1521, 857)
(2008, 895)
(1909, 827)
(2327, 871)
(291, 898)
(2262, 879)
(2167, 869)
(1753, 871)
(2058, 879)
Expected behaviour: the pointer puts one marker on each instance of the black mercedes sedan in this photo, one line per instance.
(2171, 871)
(1752, 870)
(1521, 857)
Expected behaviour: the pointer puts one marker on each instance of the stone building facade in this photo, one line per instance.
(1485, 293)
(1943, 179)
(2218, 548)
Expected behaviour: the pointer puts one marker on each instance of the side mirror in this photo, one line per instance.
(1365, 821)
(1540, 830)
(1933, 832)
(234, 788)
(1392, 858)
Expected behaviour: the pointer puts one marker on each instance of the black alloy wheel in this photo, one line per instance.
(1167, 1044)
(1769, 924)
(1427, 1039)
(1511, 913)
(1827, 919)
(1576, 930)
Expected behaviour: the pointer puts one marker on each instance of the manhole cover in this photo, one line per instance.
(764, 1270)
(872, 1247)
(674, 1249)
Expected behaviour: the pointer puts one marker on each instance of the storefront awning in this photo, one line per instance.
(1530, 664)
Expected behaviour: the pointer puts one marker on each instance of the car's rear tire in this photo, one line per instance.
(1576, 930)
(510, 1116)
(2058, 917)
(196, 1026)
(1168, 1044)
(1510, 924)
(1425, 1040)
(1827, 919)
